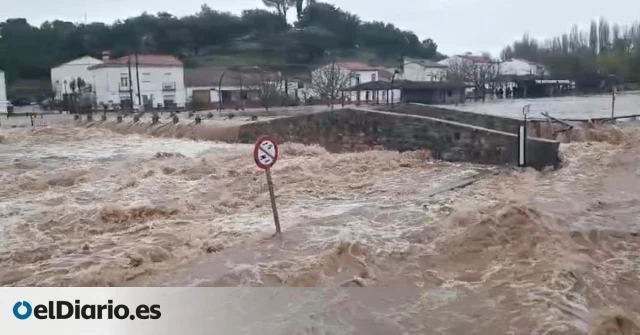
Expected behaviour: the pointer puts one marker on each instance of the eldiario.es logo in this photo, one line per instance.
(62, 310)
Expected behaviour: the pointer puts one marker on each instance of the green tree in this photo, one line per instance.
(585, 57)
(27, 53)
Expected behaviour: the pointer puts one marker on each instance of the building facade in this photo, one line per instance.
(63, 75)
(145, 81)
(4, 103)
(426, 92)
(358, 73)
(423, 70)
(236, 87)
(522, 68)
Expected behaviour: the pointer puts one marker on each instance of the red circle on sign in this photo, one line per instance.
(265, 152)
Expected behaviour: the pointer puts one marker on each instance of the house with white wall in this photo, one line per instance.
(423, 70)
(359, 73)
(63, 75)
(151, 80)
(478, 60)
(4, 103)
(522, 68)
(481, 61)
(242, 86)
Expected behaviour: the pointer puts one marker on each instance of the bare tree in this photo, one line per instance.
(329, 81)
(478, 75)
(270, 89)
(281, 6)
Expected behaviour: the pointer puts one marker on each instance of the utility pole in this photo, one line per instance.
(138, 82)
(130, 83)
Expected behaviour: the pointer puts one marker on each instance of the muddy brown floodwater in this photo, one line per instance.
(517, 252)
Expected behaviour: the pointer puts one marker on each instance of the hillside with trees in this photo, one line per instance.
(583, 55)
(257, 36)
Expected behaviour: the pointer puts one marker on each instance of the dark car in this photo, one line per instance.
(19, 102)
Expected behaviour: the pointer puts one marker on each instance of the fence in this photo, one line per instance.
(31, 120)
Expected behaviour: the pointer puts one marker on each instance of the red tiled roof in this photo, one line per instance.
(144, 60)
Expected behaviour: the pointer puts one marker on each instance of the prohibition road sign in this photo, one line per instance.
(265, 152)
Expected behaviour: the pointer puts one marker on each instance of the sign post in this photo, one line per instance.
(265, 153)
(522, 139)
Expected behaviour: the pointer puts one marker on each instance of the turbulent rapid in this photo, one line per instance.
(516, 252)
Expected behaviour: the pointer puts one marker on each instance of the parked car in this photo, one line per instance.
(21, 102)
(51, 104)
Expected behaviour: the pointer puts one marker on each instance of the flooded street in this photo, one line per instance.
(516, 252)
(566, 108)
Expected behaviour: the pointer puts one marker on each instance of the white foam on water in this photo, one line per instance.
(515, 251)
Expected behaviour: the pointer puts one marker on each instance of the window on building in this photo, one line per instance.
(146, 74)
(357, 79)
(124, 81)
(373, 77)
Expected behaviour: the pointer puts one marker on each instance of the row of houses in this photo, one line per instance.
(162, 81)
(427, 70)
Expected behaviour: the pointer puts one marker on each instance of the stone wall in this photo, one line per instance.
(361, 129)
(536, 128)
(505, 124)
(357, 129)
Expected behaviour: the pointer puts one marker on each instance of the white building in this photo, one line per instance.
(152, 81)
(3, 93)
(233, 86)
(520, 68)
(481, 60)
(63, 75)
(423, 70)
(359, 73)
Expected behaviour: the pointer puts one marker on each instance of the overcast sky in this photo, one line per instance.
(457, 26)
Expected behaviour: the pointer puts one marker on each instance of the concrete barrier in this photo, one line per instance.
(506, 124)
(355, 129)
(537, 128)
(362, 129)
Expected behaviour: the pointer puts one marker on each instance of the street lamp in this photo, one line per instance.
(220, 90)
(393, 78)
(233, 68)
